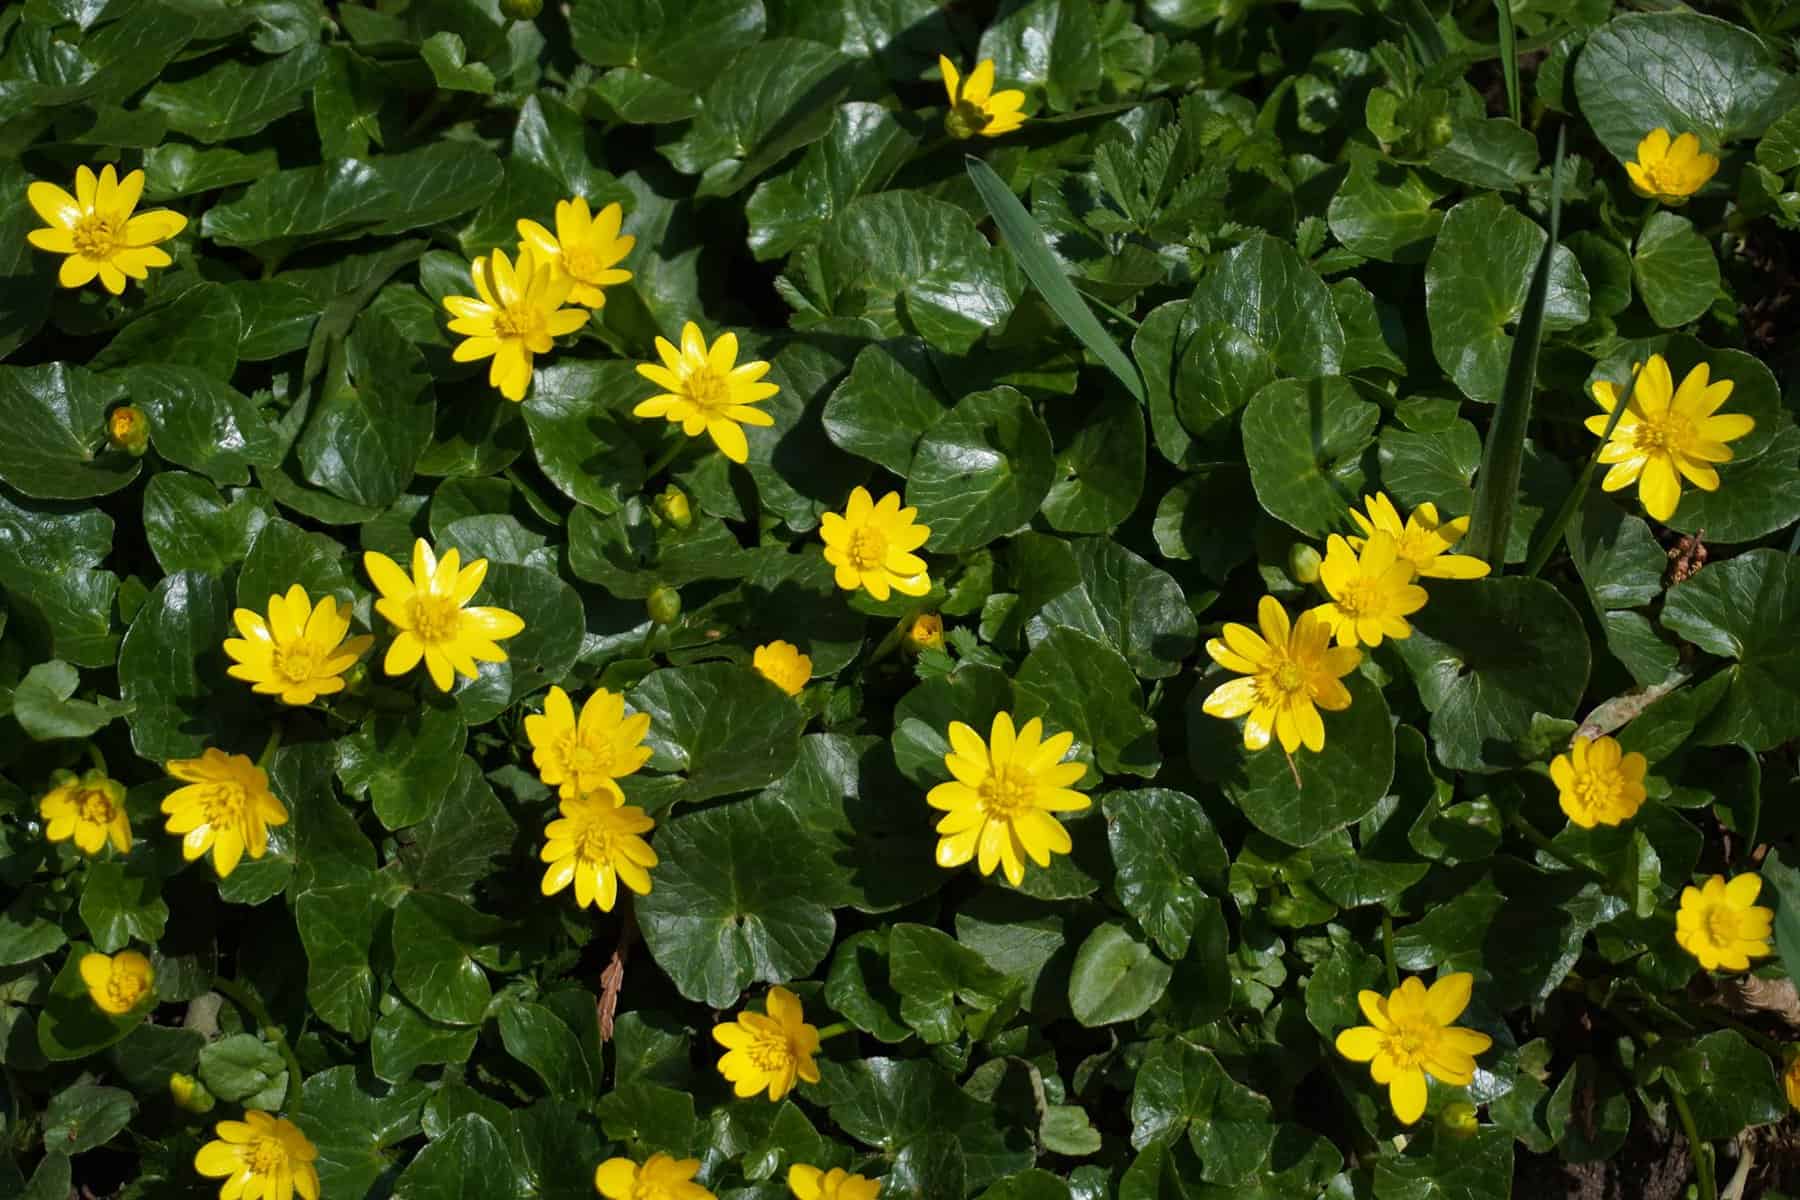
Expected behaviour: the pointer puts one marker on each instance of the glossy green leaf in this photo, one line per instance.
(980, 471)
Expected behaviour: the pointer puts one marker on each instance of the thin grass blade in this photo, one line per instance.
(1025, 241)
(1497, 487)
(1553, 532)
(1509, 58)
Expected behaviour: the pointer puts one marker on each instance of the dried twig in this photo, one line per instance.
(612, 979)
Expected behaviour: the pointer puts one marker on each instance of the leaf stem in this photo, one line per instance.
(668, 456)
(1536, 837)
(270, 747)
(1702, 1151)
(1387, 950)
(245, 999)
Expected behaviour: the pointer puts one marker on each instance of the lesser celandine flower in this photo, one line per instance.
(660, 1178)
(590, 754)
(596, 845)
(1667, 433)
(705, 390)
(1670, 170)
(117, 983)
(260, 1158)
(96, 228)
(585, 247)
(1722, 925)
(782, 664)
(975, 107)
(88, 809)
(298, 653)
(1412, 1033)
(226, 807)
(1372, 591)
(128, 429)
(430, 611)
(872, 545)
(769, 1052)
(925, 633)
(1291, 670)
(1597, 783)
(999, 807)
(1422, 541)
(810, 1183)
(517, 312)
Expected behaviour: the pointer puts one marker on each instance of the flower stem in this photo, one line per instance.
(834, 1029)
(1536, 837)
(245, 999)
(270, 747)
(891, 642)
(1702, 1151)
(668, 456)
(1387, 950)
(97, 758)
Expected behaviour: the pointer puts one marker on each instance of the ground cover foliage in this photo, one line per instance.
(1313, 274)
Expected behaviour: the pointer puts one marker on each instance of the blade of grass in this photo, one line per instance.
(1025, 241)
(1546, 544)
(1497, 487)
(1509, 58)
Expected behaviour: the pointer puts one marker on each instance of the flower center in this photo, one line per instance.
(1360, 597)
(298, 662)
(96, 807)
(581, 262)
(1722, 925)
(224, 804)
(1600, 792)
(594, 845)
(868, 548)
(1410, 1044)
(522, 322)
(1007, 792)
(267, 1156)
(125, 988)
(1669, 433)
(96, 237)
(770, 1052)
(967, 118)
(435, 618)
(1288, 678)
(587, 757)
(707, 391)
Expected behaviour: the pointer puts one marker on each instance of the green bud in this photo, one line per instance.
(1303, 563)
(1458, 1120)
(664, 605)
(521, 10)
(1440, 131)
(190, 1093)
(128, 429)
(671, 504)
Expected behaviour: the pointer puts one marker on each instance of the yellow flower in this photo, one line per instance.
(128, 429)
(226, 807)
(584, 248)
(260, 1158)
(1423, 542)
(299, 653)
(1670, 171)
(1790, 1079)
(590, 754)
(998, 807)
(925, 633)
(429, 612)
(1666, 433)
(1413, 1033)
(782, 664)
(1291, 671)
(1371, 592)
(872, 545)
(769, 1052)
(89, 808)
(975, 107)
(660, 1178)
(705, 391)
(519, 314)
(117, 983)
(596, 845)
(1598, 785)
(810, 1183)
(1721, 924)
(96, 229)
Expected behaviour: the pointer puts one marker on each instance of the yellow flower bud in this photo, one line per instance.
(925, 633)
(663, 605)
(128, 429)
(1303, 563)
(1458, 1119)
(671, 504)
(190, 1093)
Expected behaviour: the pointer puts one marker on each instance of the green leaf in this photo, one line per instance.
(1026, 241)
(538, 1038)
(242, 1068)
(468, 1161)
(896, 1105)
(724, 727)
(1683, 72)
(1124, 600)
(1115, 977)
(1182, 1087)
(85, 1116)
(1309, 483)
(337, 927)
(451, 849)
(584, 449)
(980, 472)
(373, 420)
(768, 101)
(1080, 684)
(1475, 290)
(1492, 153)
(1478, 1168)
(886, 403)
(172, 671)
(176, 169)
(201, 329)
(630, 557)
(70, 1026)
(1755, 498)
(1168, 857)
(1730, 1084)
(58, 448)
(120, 904)
(863, 149)
(190, 525)
(232, 100)
(1052, 44)
(447, 57)
(1748, 610)
(1676, 271)
(1384, 210)
(687, 43)
(1099, 467)
(971, 694)
(931, 971)
(1487, 655)
(1374, 338)
(405, 1040)
(42, 703)
(204, 424)
(1337, 786)
(405, 763)
(732, 902)
(434, 937)
(353, 1128)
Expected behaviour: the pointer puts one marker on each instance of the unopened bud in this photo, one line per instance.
(671, 504)
(964, 120)
(1303, 563)
(663, 605)
(190, 1093)
(128, 429)
(521, 10)
(925, 633)
(1458, 1119)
